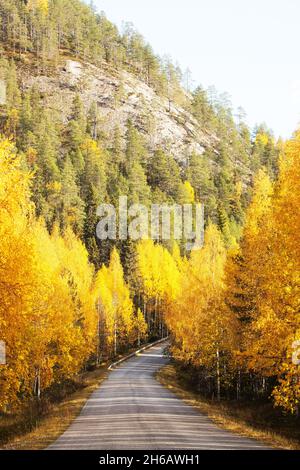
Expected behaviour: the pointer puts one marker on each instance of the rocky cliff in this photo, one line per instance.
(120, 96)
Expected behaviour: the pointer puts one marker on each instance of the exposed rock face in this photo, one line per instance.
(120, 96)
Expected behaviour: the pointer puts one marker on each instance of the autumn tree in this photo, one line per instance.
(114, 303)
(206, 340)
(48, 337)
(276, 324)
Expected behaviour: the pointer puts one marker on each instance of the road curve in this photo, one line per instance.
(131, 410)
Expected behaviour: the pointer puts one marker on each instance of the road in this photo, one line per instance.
(131, 410)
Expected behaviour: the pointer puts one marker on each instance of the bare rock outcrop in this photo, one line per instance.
(120, 96)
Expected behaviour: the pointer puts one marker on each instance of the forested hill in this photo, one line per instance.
(97, 114)
(88, 114)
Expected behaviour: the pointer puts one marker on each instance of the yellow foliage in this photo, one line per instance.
(226, 311)
(188, 193)
(263, 278)
(262, 138)
(113, 295)
(202, 327)
(158, 271)
(47, 313)
(39, 5)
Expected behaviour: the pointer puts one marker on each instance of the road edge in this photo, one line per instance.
(135, 353)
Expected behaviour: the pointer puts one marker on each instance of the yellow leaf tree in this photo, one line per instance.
(113, 299)
(203, 329)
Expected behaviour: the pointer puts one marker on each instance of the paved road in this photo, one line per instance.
(131, 410)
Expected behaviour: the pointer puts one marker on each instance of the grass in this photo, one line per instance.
(250, 419)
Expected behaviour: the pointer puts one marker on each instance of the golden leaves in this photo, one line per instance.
(47, 312)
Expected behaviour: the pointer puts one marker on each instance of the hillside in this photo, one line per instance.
(120, 96)
(97, 114)
(89, 114)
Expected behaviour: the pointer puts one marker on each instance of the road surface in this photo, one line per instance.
(131, 410)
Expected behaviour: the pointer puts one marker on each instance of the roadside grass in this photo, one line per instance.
(249, 419)
(14, 434)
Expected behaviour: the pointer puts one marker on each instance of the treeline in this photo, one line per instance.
(236, 316)
(48, 28)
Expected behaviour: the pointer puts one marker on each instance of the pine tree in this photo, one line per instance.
(71, 212)
(135, 147)
(164, 173)
(90, 223)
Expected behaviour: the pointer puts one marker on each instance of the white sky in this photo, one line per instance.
(248, 48)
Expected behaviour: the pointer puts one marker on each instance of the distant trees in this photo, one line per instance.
(200, 173)
(116, 307)
(202, 109)
(47, 27)
(265, 151)
(156, 280)
(164, 174)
